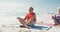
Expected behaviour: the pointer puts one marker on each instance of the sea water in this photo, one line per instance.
(10, 17)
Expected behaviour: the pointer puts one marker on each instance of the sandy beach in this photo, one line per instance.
(16, 28)
(5, 28)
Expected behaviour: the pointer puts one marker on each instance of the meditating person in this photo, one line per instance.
(56, 18)
(29, 19)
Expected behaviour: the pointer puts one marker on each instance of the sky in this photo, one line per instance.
(40, 6)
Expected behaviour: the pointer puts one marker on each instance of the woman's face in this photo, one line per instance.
(30, 10)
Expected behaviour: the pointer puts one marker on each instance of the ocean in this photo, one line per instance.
(10, 17)
(7, 18)
(9, 23)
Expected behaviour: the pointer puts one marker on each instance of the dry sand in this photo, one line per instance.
(5, 28)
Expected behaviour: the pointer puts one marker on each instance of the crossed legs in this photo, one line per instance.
(22, 21)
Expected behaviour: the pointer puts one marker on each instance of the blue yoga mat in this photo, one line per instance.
(41, 27)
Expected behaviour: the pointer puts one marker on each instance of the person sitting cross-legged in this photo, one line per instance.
(30, 17)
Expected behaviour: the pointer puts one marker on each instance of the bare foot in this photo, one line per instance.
(27, 26)
(18, 17)
(22, 26)
(56, 24)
